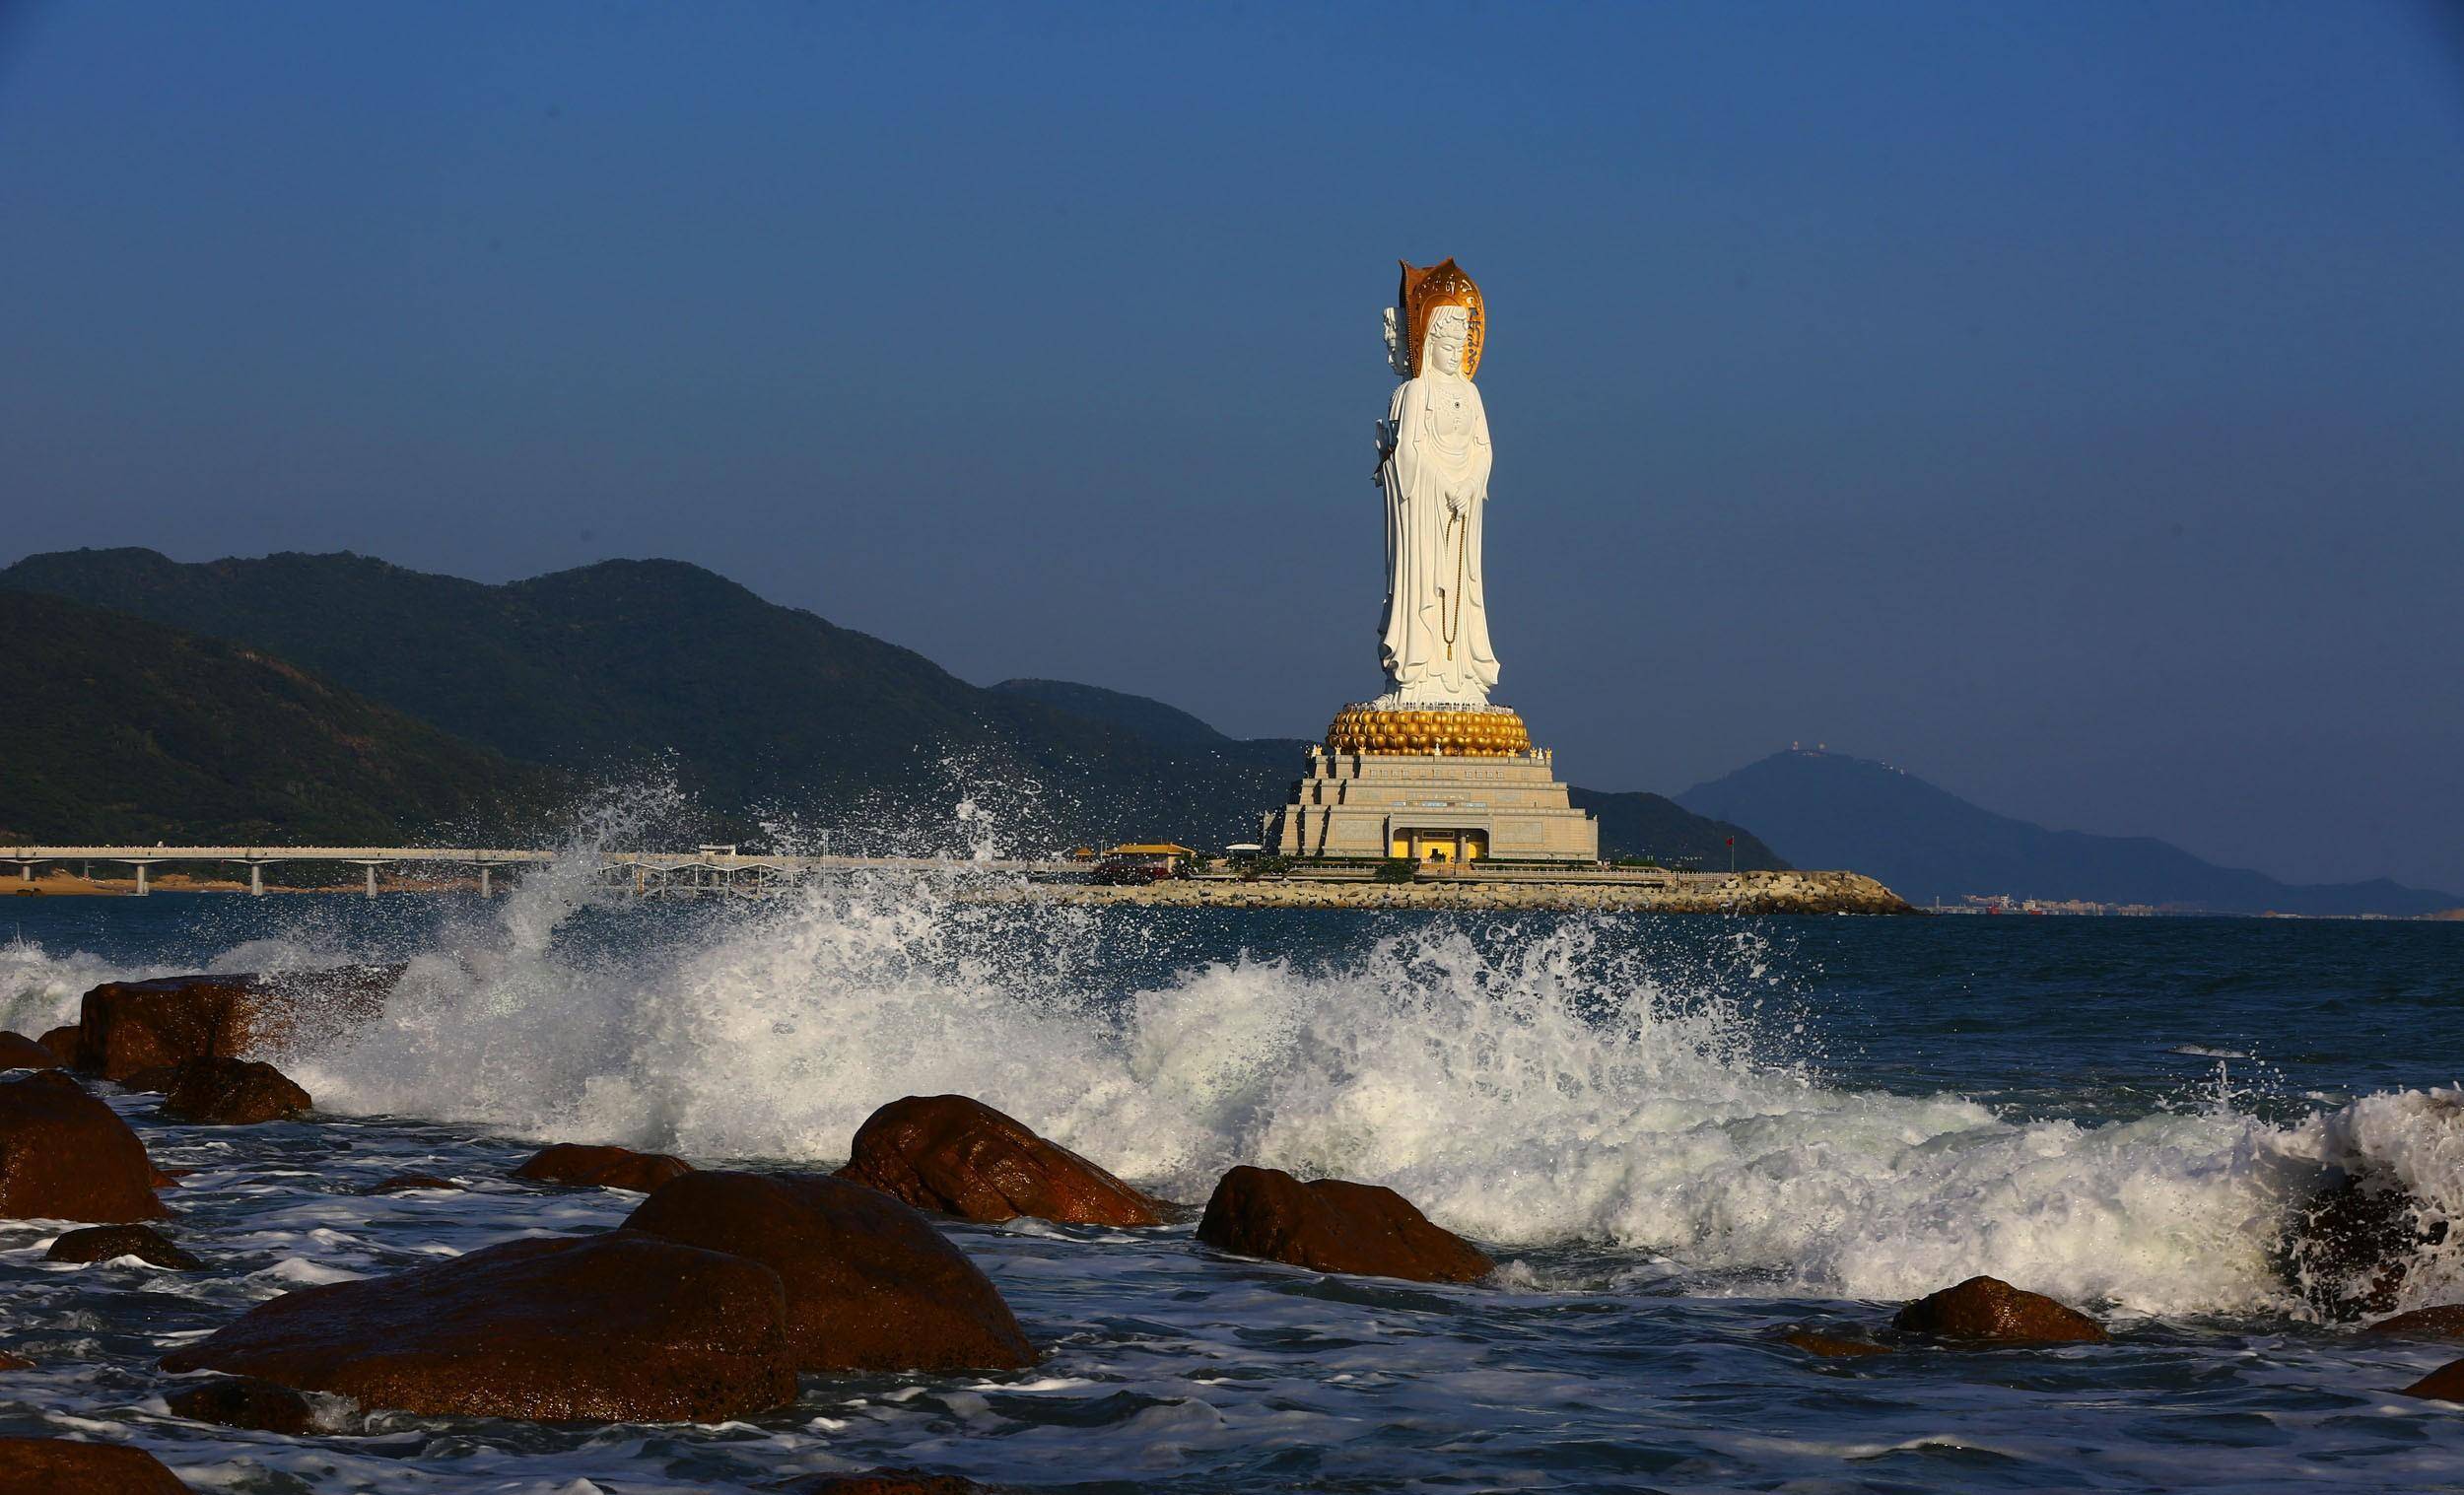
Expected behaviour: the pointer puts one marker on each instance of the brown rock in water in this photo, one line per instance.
(60, 1043)
(2445, 1321)
(222, 1092)
(125, 1027)
(1331, 1225)
(2351, 1245)
(244, 1401)
(109, 1243)
(10, 1362)
(167, 1177)
(158, 1081)
(870, 1284)
(61, 1466)
(611, 1327)
(585, 1167)
(1987, 1308)
(887, 1482)
(1815, 1343)
(18, 1052)
(2445, 1384)
(960, 1157)
(402, 1183)
(66, 1156)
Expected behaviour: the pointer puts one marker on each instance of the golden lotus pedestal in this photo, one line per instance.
(1436, 785)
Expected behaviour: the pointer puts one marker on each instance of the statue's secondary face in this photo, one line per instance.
(1450, 329)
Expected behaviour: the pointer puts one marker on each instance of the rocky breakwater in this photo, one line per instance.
(1743, 893)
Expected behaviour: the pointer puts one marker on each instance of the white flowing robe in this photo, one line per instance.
(1434, 644)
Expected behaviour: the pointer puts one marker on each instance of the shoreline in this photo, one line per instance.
(1735, 893)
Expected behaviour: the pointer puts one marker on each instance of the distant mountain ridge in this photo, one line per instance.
(121, 731)
(1827, 809)
(761, 712)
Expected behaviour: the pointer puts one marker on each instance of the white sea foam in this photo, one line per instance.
(1555, 1082)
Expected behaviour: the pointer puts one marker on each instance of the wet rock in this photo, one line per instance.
(2445, 1384)
(125, 1027)
(66, 1156)
(60, 1043)
(62, 1466)
(887, 1482)
(870, 1284)
(245, 1402)
(10, 1362)
(109, 1243)
(2445, 1321)
(167, 1177)
(958, 1156)
(1987, 1308)
(612, 1328)
(155, 1081)
(402, 1183)
(223, 1092)
(1816, 1342)
(585, 1167)
(2352, 1242)
(1331, 1225)
(18, 1052)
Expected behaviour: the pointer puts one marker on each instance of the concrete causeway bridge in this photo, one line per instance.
(704, 869)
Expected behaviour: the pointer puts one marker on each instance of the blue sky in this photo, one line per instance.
(2063, 402)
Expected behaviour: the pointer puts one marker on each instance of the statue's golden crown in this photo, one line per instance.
(1424, 290)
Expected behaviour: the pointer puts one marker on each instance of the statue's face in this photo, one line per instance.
(1450, 329)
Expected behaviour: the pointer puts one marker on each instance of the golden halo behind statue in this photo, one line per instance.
(1423, 291)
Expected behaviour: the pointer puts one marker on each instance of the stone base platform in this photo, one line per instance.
(1445, 808)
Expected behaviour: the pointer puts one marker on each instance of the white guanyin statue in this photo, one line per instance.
(1433, 462)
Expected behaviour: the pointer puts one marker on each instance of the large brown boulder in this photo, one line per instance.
(66, 1156)
(870, 1284)
(125, 1027)
(2445, 1384)
(612, 1328)
(1987, 1308)
(61, 1466)
(960, 1157)
(60, 1043)
(582, 1166)
(1331, 1225)
(18, 1052)
(2445, 1321)
(224, 1092)
(109, 1243)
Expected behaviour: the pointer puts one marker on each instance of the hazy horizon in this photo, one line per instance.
(2056, 402)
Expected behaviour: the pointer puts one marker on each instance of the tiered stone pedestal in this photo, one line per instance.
(1432, 807)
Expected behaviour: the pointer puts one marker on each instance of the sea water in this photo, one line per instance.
(1676, 1136)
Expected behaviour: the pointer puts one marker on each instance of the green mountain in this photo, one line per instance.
(1658, 827)
(1161, 725)
(126, 732)
(1830, 810)
(762, 712)
(759, 711)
